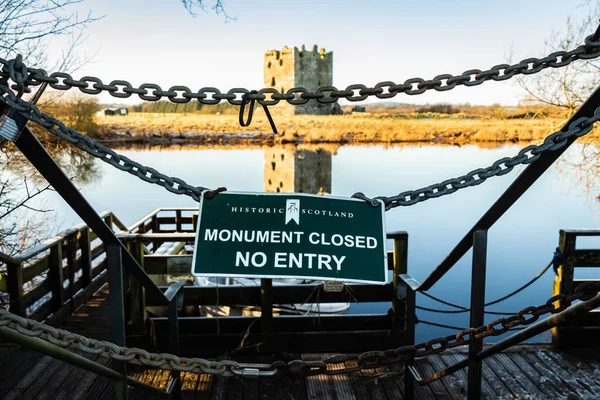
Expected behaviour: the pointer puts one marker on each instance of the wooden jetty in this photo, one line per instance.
(527, 372)
(63, 282)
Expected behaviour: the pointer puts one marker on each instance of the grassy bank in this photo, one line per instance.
(356, 128)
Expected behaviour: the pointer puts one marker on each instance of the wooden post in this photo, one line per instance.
(117, 313)
(563, 282)
(266, 307)
(15, 288)
(137, 295)
(71, 263)
(399, 311)
(178, 227)
(477, 311)
(86, 257)
(55, 276)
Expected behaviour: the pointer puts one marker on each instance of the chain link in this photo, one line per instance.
(298, 95)
(367, 360)
(527, 155)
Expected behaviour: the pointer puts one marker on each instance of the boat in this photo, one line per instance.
(307, 308)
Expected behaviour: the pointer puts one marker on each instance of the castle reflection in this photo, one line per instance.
(288, 169)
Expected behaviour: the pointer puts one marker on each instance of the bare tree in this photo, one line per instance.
(565, 89)
(217, 6)
(26, 26)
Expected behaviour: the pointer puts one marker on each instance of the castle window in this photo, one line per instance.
(281, 61)
(282, 157)
(280, 184)
(273, 165)
(278, 190)
(273, 81)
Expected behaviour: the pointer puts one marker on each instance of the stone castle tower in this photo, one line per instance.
(291, 67)
(297, 171)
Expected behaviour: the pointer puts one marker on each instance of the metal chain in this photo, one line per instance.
(527, 155)
(300, 95)
(92, 147)
(367, 360)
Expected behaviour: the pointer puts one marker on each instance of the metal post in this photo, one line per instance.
(411, 319)
(174, 295)
(117, 312)
(477, 311)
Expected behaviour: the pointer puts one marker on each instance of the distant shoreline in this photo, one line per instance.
(373, 128)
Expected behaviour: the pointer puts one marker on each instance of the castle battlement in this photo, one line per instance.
(292, 67)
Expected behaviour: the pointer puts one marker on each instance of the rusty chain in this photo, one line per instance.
(367, 360)
(298, 95)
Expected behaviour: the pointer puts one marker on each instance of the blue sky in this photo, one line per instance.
(158, 41)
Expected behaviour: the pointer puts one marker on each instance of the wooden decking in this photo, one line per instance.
(527, 372)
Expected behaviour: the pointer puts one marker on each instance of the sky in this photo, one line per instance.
(158, 41)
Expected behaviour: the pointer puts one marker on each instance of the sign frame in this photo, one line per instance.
(263, 276)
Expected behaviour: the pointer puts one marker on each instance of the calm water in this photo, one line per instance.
(520, 245)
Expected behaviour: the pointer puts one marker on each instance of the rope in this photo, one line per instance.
(462, 309)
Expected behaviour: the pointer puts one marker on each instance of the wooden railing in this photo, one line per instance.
(584, 330)
(165, 238)
(52, 279)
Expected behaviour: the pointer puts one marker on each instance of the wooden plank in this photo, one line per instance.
(79, 381)
(507, 377)
(582, 232)
(57, 375)
(281, 323)
(450, 359)
(267, 388)
(203, 391)
(250, 295)
(30, 380)
(189, 383)
(219, 386)
(250, 388)
(440, 388)
(36, 293)
(515, 373)
(393, 386)
(316, 386)
(586, 258)
(455, 386)
(550, 373)
(373, 385)
(581, 372)
(545, 386)
(35, 269)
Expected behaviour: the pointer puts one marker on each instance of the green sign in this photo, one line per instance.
(275, 235)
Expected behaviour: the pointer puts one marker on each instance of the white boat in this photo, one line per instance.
(304, 308)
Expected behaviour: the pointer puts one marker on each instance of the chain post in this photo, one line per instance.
(117, 313)
(477, 311)
(266, 308)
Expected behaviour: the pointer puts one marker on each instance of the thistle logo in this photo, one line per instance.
(292, 211)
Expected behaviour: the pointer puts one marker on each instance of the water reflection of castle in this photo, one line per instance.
(298, 171)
